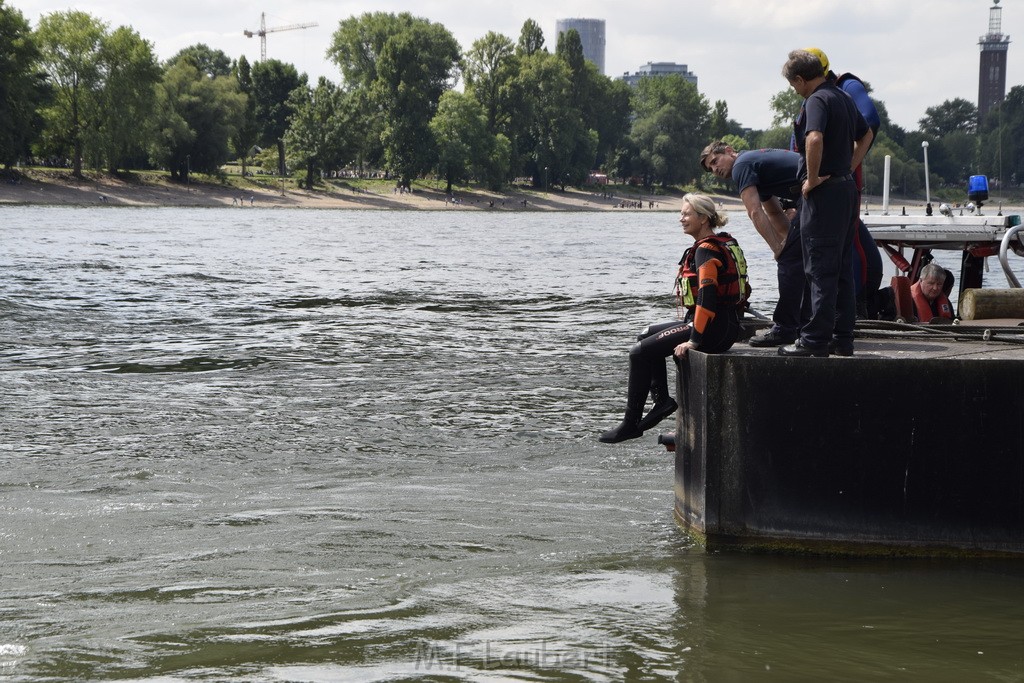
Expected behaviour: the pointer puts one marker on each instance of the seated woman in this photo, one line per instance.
(928, 293)
(712, 285)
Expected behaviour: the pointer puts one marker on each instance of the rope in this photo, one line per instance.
(885, 329)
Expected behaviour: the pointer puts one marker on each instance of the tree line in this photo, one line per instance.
(73, 89)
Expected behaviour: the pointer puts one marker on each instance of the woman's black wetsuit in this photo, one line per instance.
(712, 323)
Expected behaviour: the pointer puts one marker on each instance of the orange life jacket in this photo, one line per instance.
(924, 308)
(733, 284)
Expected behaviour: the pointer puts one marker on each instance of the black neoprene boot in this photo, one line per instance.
(636, 397)
(664, 408)
(629, 428)
(664, 405)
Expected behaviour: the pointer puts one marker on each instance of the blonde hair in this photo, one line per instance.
(705, 206)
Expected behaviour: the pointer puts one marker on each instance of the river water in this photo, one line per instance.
(284, 445)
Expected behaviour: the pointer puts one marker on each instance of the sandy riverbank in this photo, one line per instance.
(62, 189)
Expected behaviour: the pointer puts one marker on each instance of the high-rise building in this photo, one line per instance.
(992, 69)
(659, 69)
(591, 36)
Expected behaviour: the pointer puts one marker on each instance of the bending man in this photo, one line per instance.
(763, 177)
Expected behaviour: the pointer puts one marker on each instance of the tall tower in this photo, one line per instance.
(992, 70)
(591, 36)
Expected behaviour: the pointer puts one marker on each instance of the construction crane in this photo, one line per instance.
(262, 33)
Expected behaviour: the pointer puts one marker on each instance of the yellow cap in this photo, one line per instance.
(821, 56)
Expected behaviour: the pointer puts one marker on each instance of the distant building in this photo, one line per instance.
(591, 36)
(992, 69)
(659, 69)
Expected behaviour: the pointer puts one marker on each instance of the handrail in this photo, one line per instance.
(1004, 247)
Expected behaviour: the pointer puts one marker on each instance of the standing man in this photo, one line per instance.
(832, 140)
(867, 262)
(763, 177)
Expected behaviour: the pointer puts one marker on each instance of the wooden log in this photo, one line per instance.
(984, 304)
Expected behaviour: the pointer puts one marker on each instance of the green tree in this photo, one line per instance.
(497, 171)
(207, 60)
(785, 106)
(415, 67)
(955, 115)
(126, 98)
(243, 142)
(669, 129)
(603, 104)
(1002, 140)
(896, 133)
(316, 134)
(355, 48)
(558, 149)
(70, 43)
(778, 137)
(718, 126)
(954, 156)
(23, 89)
(611, 116)
(357, 44)
(906, 175)
(490, 67)
(272, 84)
(531, 39)
(367, 124)
(460, 133)
(198, 116)
(735, 141)
(721, 125)
(494, 75)
(570, 48)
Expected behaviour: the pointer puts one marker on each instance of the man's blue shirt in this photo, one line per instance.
(774, 172)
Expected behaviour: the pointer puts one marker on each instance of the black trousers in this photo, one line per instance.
(828, 217)
(793, 306)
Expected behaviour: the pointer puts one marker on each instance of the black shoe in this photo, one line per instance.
(659, 412)
(837, 348)
(798, 350)
(625, 431)
(772, 337)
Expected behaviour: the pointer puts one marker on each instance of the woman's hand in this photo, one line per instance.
(681, 350)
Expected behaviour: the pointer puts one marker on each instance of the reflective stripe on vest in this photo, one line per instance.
(733, 283)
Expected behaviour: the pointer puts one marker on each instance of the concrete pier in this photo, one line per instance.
(912, 446)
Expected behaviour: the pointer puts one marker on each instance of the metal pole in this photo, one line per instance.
(885, 184)
(927, 188)
(284, 165)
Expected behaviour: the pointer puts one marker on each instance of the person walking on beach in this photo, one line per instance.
(712, 286)
(832, 139)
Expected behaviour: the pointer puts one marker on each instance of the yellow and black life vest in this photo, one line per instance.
(733, 283)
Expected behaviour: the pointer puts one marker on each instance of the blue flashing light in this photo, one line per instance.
(977, 188)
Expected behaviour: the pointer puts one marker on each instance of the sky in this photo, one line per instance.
(915, 54)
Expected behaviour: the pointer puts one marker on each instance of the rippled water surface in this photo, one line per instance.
(271, 445)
